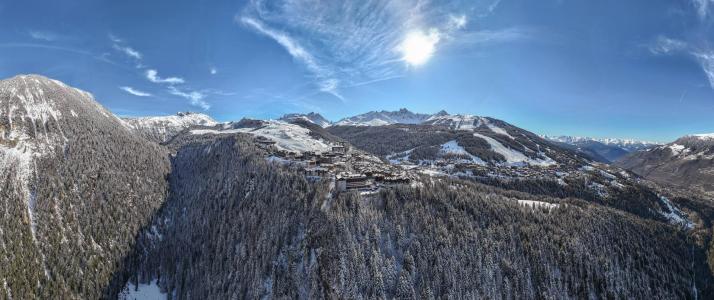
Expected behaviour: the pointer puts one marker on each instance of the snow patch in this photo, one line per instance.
(289, 137)
(150, 291)
(452, 147)
(514, 157)
(537, 204)
(675, 216)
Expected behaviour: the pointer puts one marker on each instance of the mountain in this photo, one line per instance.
(93, 209)
(605, 150)
(380, 118)
(76, 185)
(688, 162)
(311, 117)
(445, 238)
(161, 129)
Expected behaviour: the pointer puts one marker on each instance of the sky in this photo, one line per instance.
(640, 69)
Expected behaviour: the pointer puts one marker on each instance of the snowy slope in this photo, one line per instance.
(628, 145)
(381, 118)
(161, 129)
(310, 117)
(287, 136)
(514, 157)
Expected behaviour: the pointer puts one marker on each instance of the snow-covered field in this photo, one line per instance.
(150, 291)
(514, 157)
(452, 147)
(287, 136)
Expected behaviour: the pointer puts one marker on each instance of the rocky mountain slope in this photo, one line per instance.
(75, 187)
(379, 118)
(687, 162)
(312, 117)
(161, 129)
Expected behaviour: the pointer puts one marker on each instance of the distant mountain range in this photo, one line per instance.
(603, 149)
(687, 162)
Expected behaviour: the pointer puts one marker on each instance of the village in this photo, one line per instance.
(355, 170)
(350, 169)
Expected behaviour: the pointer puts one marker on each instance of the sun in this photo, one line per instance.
(417, 47)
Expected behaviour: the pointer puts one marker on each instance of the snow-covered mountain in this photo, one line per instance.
(380, 118)
(688, 161)
(161, 129)
(628, 145)
(315, 118)
(75, 187)
(287, 136)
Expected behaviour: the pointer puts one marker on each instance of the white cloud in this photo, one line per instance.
(196, 98)
(457, 22)
(706, 61)
(213, 71)
(118, 44)
(135, 92)
(153, 76)
(43, 35)
(344, 43)
(702, 7)
(665, 45)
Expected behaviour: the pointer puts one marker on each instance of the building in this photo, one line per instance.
(354, 182)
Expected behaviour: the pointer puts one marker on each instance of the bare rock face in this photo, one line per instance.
(75, 187)
(688, 162)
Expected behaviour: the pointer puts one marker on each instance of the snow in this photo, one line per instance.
(677, 149)
(704, 136)
(458, 122)
(452, 147)
(167, 126)
(534, 204)
(499, 130)
(675, 216)
(381, 118)
(289, 137)
(514, 157)
(150, 291)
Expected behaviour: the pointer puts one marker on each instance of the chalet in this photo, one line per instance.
(339, 149)
(354, 182)
(264, 141)
(316, 172)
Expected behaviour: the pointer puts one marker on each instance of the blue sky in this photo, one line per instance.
(631, 69)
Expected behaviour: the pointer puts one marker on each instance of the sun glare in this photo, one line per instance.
(418, 47)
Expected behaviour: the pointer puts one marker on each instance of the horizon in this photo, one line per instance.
(642, 70)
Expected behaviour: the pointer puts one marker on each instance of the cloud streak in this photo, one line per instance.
(344, 43)
(153, 76)
(134, 92)
(196, 98)
(43, 35)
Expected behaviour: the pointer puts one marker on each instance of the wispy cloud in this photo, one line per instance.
(488, 37)
(704, 56)
(706, 61)
(344, 43)
(213, 71)
(134, 92)
(119, 45)
(153, 76)
(665, 45)
(702, 7)
(196, 98)
(43, 35)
